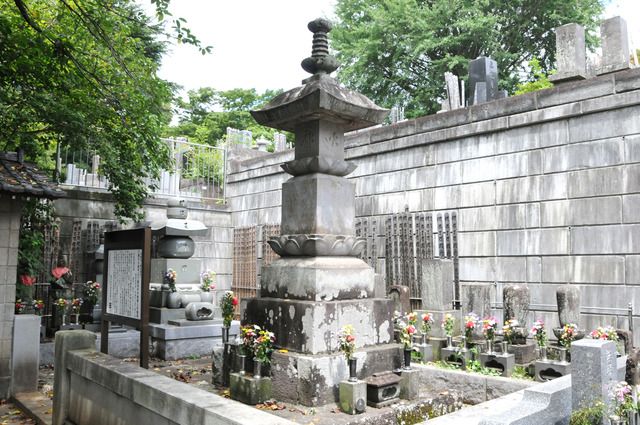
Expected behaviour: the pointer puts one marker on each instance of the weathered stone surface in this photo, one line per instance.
(437, 284)
(568, 298)
(571, 54)
(409, 385)
(249, 390)
(353, 397)
(593, 367)
(632, 374)
(199, 311)
(476, 298)
(317, 279)
(26, 339)
(516, 300)
(615, 46)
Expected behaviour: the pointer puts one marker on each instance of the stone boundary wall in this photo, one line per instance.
(546, 186)
(94, 388)
(215, 249)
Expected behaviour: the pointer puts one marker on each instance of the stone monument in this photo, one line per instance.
(615, 46)
(570, 54)
(319, 284)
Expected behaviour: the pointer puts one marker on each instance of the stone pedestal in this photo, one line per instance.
(188, 270)
(524, 353)
(248, 390)
(437, 344)
(353, 397)
(499, 362)
(570, 54)
(546, 370)
(615, 46)
(186, 338)
(409, 385)
(456, 357)
(437, 285)
(25, 353)
(426, 350)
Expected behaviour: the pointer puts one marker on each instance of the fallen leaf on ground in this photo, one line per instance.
(335, 410)
(443, 393)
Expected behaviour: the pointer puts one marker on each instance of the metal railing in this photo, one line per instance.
(199, 171)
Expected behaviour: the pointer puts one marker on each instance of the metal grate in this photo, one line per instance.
(367, 228)
(244, 264)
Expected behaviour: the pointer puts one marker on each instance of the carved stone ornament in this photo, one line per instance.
(309, 165)
(316, 245)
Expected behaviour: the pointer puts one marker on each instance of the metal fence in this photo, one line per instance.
(199, 171)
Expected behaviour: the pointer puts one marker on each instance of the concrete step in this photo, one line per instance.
(36, 405)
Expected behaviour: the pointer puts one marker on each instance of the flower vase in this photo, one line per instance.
(225, 334)
(505, 348)
(463, 343)
(489, 346)
(257, 368)
(424, 338)
(449, 341)
(353, 362)
(75, 318)
(206, 297)
(63, 320)
(617, 420)
(563, 355)
(174, 300)
(407, 359)
(243, 364)
(543, 353)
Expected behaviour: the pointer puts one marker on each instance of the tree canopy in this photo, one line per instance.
(205, 116)
(397, 51)
(83, 73)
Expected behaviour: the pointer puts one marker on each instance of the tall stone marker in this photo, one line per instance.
(570, 54)
(483, 71)
(615, 46)
(318, 284)
(593, 368)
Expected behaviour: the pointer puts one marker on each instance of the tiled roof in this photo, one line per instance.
(25, 178)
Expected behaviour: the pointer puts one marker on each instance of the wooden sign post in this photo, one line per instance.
(125, 293)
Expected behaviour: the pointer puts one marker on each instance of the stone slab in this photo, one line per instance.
(549, 370)
(307, 326)
(524, 353)
(208, 330)
(353, 397)
(437, 284)
(249, 390)
(164, 315)
(185, 322)
(455, 357)
(188, 270)
(426, 350)
(594, 366)
(570, 53)
(409, 389)
(25, 353)
(500, 362)
(317, 278)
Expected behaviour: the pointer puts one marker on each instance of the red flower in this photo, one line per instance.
(58, 272)
(27, 280)
(234, 301)
(350, 338)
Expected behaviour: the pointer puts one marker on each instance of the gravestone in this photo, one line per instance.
(570, 54)
(476, 298)
(455, 93)
(437, 293)
(615, 46)
(484, 71)
(594, 367)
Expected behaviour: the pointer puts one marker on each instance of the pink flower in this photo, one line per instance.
(58, 272)
(234, 301)
(411, 329)
(27, 280)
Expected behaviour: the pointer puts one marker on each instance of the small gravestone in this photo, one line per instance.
(570, 54)
(594, 368)
(615, 46)
(383, 389)
(484, 71)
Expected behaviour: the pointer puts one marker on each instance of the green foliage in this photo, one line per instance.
(539, 79)
(591, 413)
(83, 73)
(204, 118)
(397, 51)
(521, 373)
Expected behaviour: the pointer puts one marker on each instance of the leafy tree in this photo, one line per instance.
(539, 81)
(83, 73)
(204, 118)
(397, 51)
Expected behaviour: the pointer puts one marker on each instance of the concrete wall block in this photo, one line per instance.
(532, 218)
(627, 80)
(516, 139)
(574, 92)
(529, 189)
(603, 240)
(534, 269)
(610, 102)
(419, 178)
(535, 164)
(513, 165)
(584, 155)
(554, 133)
(533, 242)
(409, 158)
(390, 182)
(447, 197)
(479, 170)
(557, 269)
(446, 119)
(632, 149)
(270, 215)
(546, 114)
(579, 212)
(478, 269)
(502, 107)
(511, 269)
(484, 218)
(479, 194)
(448, 174)
(609, 124)
(632, 269)
(477, 244)
(393, 203)
(366, 186)
(596, 182)
(467, 148)
(364, 167)
(631, 181)
(245, 218)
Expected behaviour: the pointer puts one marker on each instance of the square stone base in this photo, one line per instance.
(353, 397)
(409, 385)
(548, 370)
(426, 351)
(525, 353)
(249, 390)
(456, 357)
(499, 362)
(170, 342)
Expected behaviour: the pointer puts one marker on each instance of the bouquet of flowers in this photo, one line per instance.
(623, 401)
(76, 303)
(509, 330)
(38, 306)
(92, 290)
(263, 346)
(607, 333)
(405, 336)
(539, 333)
(170, 279)
(248, 334)
(448, 322)
(227, 302)
(61, 306)
(412, 318)
(568, 335)
(427, 321)
(207, 278)
(347, 341)
(470, 322)
(490, 324)
(397, 319)
(20, 306)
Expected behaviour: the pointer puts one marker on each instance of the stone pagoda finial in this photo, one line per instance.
(320, 62)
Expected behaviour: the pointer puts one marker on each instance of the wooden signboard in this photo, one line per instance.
(125, 293)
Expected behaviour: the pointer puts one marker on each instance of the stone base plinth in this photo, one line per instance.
(426, 351)
(456, 357)
(248, 390)
(170, 342)
(499, 362)
(524, 353)
(438, 344)
(409, 385)
(314, 380)
(164, 315)
(188, 271)
(353, 397)
(546, 370)
(317, 279)
(308, 326)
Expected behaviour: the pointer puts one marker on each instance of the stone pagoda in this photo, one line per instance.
(318, 284)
